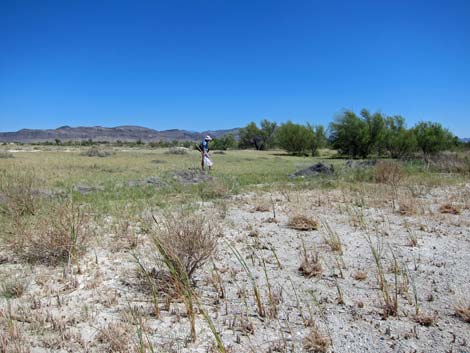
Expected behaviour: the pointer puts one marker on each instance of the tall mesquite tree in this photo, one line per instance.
(432, 137)
(349, 135)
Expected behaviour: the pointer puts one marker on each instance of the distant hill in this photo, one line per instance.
(466, 139)
(99, 133)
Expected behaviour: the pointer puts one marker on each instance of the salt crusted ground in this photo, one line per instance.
(103, 307)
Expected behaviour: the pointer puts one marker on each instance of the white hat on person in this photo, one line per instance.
(208, 138)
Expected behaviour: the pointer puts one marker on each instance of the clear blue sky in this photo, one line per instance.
(218, 64)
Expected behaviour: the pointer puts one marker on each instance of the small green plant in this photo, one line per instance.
(256, 292)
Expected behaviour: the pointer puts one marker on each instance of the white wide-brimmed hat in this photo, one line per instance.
(208, 138)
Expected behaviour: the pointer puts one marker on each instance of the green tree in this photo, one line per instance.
(375, 133)
(399, 141)
(319, 140)
(251, 136)
(268, 134)
(350, 135)
(432, 137)
(295, 138)
(224, 142)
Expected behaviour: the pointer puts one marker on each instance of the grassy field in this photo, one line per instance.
(139, 251)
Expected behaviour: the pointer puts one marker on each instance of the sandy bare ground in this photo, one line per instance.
(424, 253)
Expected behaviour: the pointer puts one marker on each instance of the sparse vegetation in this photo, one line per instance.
(248, 274)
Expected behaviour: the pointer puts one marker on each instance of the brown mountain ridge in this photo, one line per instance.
(100, 133)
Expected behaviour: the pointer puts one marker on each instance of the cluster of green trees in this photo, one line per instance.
(351, 135)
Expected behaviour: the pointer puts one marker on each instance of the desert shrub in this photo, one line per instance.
(96, 151)
(387, 172)
(187, 241)
(59, 235)
(17, 193)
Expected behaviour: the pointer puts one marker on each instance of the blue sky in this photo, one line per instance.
(219, 64)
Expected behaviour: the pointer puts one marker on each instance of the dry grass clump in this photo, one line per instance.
(261, 208)
(59, 236)
(449, 208)
(188, 240)
(96, 151)
(387, 172)
(360, 276)
(424, 319)
(17, 191)
(310, 265)
(463, 311)
(315, 342)
(303, 223)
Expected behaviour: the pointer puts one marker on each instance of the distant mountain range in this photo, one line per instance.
(99, 133)
(466, 140)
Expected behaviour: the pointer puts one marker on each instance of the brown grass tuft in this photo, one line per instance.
(424, 319)
(450, 209)
(303, 223)
(315, 342)
(463, 311)
(261, 208)
(310, 265)
(360, 276)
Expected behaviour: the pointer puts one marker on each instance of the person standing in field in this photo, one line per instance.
(204, 148)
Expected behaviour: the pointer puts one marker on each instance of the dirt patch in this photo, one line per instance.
(314, 170)
(191, 176)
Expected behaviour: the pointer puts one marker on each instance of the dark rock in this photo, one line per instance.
(313, 170)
